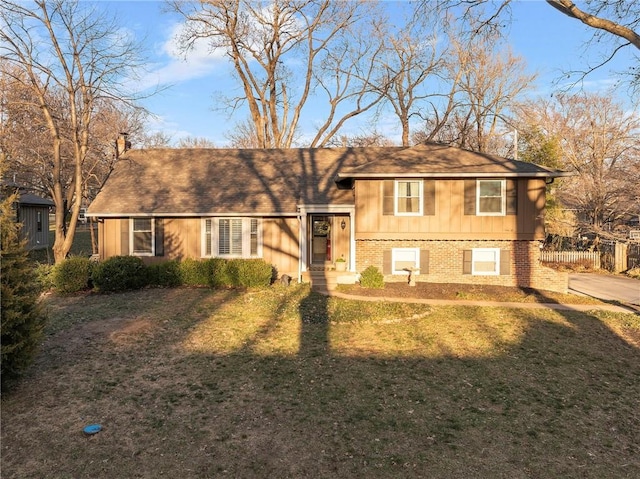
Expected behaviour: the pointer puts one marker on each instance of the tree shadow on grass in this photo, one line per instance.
(491, 393)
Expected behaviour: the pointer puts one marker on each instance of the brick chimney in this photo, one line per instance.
(122, 145)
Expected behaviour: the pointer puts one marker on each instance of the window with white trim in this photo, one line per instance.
(485, 261)
(142, 236)
(408, 197)
(231, 237)
(491, 197)
(405, 259)
(254, 237)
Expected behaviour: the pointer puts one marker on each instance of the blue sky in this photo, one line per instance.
(549, 41)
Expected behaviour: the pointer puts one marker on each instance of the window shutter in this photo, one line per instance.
(159, 239)
(467, 258)
(424, 261)
(429, 207)
(512, 197)
(387, 197)
(124, 236)
(386, 262)
(470, 198)
(505, 262)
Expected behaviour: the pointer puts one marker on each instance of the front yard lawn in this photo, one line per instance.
(195, 383)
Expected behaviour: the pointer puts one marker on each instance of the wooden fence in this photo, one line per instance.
(614, 257)
(633, 255)
(589, 258)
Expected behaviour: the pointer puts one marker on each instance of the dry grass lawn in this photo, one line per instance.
(194, 383)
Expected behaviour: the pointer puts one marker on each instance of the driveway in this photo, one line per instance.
(607, 287)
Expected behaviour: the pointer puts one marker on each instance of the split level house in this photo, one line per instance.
(441, 213)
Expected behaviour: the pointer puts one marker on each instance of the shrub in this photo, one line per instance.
(120, 273)
(21, 315)
(72, 275)
(219, 273)
(195, 273)
(372, 278)
(44, 276)
(249, 273)
(165, 274)
(634, 272)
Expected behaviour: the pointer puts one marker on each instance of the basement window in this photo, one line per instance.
(405, 259)
(485, 261)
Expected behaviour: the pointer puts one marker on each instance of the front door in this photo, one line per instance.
(321, 239)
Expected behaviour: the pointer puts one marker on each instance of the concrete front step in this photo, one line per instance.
(328, 280)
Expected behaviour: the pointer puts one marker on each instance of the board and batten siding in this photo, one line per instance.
(449, 220)
(36, 239)
(182, 238)
(280, 244)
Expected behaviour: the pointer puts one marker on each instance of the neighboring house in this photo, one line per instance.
(457, 216)
(33, 212)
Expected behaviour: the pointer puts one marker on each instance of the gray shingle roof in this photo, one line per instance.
(33, 200)
(204, 181)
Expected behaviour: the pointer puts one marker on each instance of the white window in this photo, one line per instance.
(408, 197)
(141, 238)
(491, 197)
(254, 237)
(231, 237)
(485, 261)
(405, 259)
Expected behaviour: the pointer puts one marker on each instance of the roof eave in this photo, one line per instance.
(185, 215)
(541, 174)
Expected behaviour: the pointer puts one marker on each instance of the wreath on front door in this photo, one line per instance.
(322, 227)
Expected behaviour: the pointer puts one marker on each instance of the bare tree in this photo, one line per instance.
(373, 138)
(624, 17)
(487, 82)
(155, 139)
(195, 142)
(243, 135)
(615, 24)
(600, 142)
(263, 39)
(414, 53)
(69, 57)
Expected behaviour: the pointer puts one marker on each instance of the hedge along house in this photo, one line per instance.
(447, 214)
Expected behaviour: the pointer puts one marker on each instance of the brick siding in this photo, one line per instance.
(445, 263)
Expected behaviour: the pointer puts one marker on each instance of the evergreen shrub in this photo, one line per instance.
(195, 272)
(72, 275)
(166, 274)
(22, 318)
(120, 273)
(372, 278)
(249, 273)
